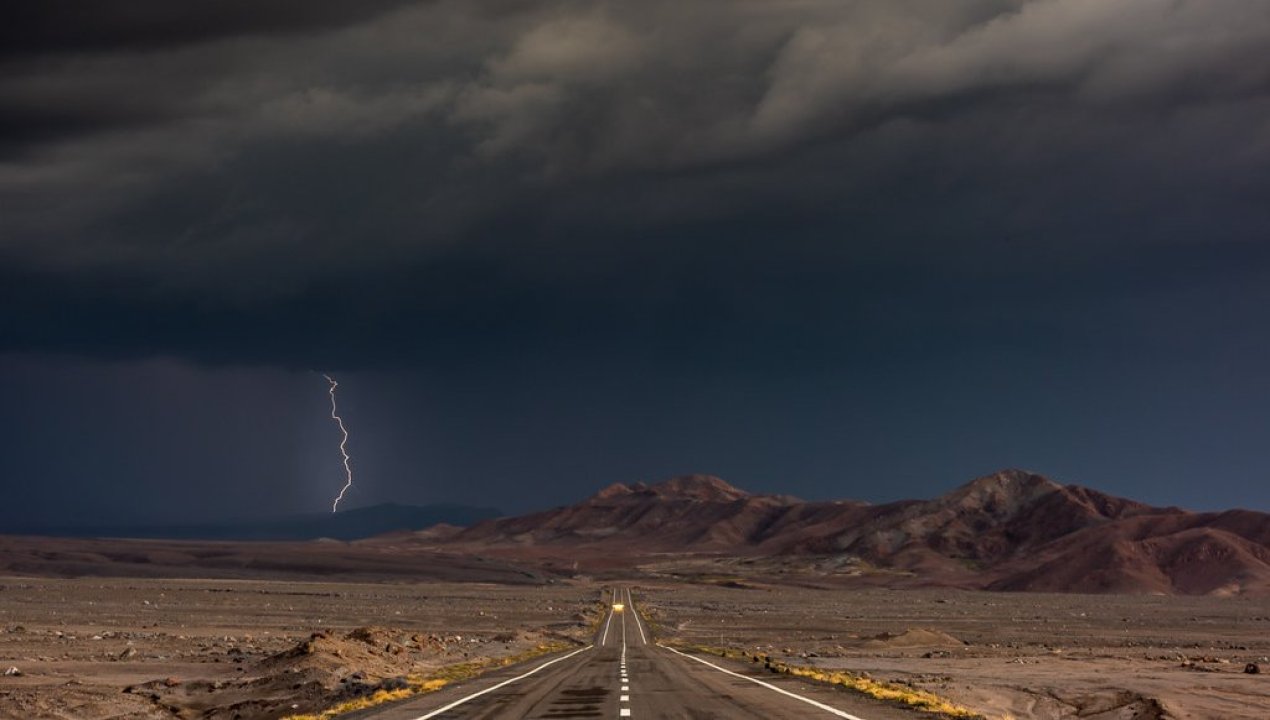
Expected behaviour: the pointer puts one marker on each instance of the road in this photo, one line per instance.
(625, 673)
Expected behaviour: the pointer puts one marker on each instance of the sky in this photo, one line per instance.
(864, 249)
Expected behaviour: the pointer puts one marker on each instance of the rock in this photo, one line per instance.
(1252, 669)
(172, 682)
(127, 653)
(13, 672)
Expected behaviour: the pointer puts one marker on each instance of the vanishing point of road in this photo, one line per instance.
(626, 674)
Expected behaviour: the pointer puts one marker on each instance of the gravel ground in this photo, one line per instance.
(1003, 654)
(79, 644)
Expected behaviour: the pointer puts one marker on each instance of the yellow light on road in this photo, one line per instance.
(618, 607)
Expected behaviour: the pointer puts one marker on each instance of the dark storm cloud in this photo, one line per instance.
(50, 27)
(235, 164)
(69, 67)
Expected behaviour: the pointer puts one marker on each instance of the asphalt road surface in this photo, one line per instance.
(625, 673)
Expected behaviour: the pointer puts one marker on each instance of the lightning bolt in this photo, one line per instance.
(348, 471)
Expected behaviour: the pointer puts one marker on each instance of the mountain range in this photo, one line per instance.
(1009, 531)
(1012, 530)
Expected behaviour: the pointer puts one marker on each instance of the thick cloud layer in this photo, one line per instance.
(264, 147)
(587, 239)
(224, 181)
(58, 27)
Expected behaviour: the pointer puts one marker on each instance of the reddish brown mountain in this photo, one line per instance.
(1012, 530)
(693, 512)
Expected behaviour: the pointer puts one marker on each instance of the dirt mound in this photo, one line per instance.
(316, 672)
(372, 650)
(912, 638)
(1113, 705)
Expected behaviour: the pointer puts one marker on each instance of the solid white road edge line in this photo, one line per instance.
(770, 686)
(604, 638)
(630, 602)
(492, 688)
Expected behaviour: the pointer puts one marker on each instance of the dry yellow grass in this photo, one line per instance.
(922, 700)
(379, 697)
(431, 682)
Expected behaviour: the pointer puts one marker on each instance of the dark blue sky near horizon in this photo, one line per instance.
(845, 250)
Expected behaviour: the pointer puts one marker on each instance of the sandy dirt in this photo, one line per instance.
(1003, 654)
(92, 649)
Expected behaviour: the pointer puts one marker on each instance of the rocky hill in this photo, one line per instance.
(1012, 530)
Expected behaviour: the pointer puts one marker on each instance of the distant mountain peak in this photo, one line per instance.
(1016, 480)
(1009, 488)
(706, 488)
(698, 487)
(615, 490)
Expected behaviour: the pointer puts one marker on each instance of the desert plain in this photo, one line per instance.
(97, 648)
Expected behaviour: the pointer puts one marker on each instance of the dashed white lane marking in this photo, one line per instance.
(769, 686)
(625, 699)
(492, 688)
